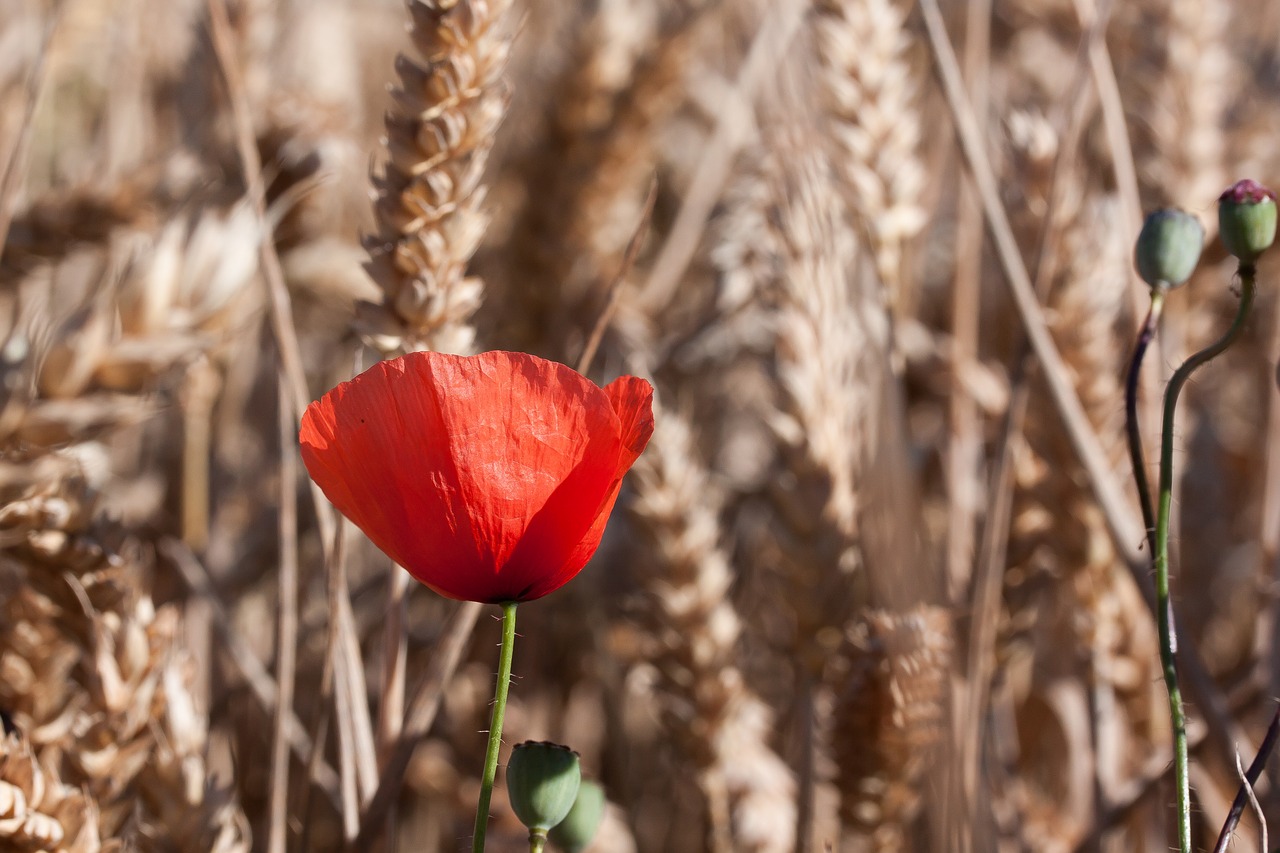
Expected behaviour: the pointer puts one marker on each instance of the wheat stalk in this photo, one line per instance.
(95, 678)
(870, 95)
(440, 131)
(889, 717)
(716, 718)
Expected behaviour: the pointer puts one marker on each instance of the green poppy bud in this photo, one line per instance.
(1247, 220)
(542, 783)
(575, 832)
(1168, 247)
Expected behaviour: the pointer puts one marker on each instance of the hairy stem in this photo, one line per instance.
(1164, 610)
(1132, 426)
(495, 724)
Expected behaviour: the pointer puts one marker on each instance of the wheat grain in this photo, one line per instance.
(97, 682)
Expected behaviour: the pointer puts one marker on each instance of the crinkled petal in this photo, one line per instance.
(632, 401)
(564, 536)
(517, 427)
(484, 476)
(374, 447)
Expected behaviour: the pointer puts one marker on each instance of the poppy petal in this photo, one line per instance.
(632, 401)
(489, 477)
(368, 445)
(517, 427)
(564, 536)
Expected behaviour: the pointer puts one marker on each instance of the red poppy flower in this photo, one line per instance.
(489, 477)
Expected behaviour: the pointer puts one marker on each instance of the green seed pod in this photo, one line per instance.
(1247, 220)
(1168, 247)
(542, 783)
(575, 832)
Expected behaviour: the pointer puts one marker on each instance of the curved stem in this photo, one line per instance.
(1132, 425)
(495, 724)
(1164, 610)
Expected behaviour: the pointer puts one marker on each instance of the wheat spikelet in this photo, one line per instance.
(87, 361)
(719, 723)
(803, 262)
(889, 717)
(1184, 92)
(870, 95)
(94, 675)
(823, 402)
(38, 812)
(439, 133)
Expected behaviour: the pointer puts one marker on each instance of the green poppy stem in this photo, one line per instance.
(495, 724)
(537, 842)
(1164, 610)
(1132, 426)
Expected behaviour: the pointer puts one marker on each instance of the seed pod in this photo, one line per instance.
(1247, 220)
(575, 832)
(542, 783)
(1168, 247)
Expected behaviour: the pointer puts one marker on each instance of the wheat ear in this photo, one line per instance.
(440, 130)
(870, 95)
(888, 719)
(715, 717)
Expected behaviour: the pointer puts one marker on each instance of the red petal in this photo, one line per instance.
(367, 444)
(446, 462)
(515, 433)
(564, 536)
(632, 401)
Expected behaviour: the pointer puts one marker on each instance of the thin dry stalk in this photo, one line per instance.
(423, 707)
(251, 167)
(1122, 522)
(440, 131)
(287, 628)
(245, 659)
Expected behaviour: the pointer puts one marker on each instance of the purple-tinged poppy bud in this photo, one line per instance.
(1247, 220)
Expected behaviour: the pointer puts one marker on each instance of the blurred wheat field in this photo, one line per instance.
(876, 584)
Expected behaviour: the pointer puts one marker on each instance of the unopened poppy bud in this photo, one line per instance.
(1168, 247)
(575, 832)
(542, 783)
(1247, 220)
